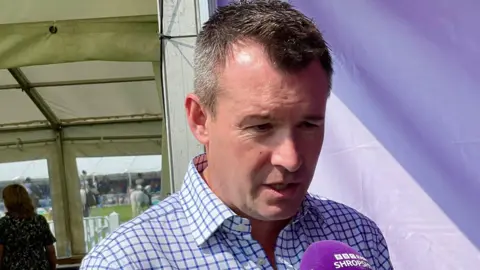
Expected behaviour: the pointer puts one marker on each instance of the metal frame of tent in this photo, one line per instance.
(57, 130)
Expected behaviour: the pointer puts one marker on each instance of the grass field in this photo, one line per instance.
(125, 212)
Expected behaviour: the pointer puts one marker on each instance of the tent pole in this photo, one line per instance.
(63, 248)
(177, 80)
(163, 84)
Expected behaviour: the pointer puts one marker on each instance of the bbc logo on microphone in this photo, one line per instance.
(348, 256)
(350, 261)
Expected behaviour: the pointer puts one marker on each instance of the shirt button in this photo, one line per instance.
(241, 228)
(261, 261)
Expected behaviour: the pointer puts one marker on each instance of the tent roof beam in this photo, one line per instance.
(36, 98)
(79, 124)
(81, 82)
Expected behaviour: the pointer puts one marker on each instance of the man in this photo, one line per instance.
(104, 186)
(139, 180)
(87, 197)
(262, 79)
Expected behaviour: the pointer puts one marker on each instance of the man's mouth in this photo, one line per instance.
(283, 190)
(280, 186)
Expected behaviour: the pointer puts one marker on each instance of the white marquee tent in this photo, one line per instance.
(84, 79)
(94, 78)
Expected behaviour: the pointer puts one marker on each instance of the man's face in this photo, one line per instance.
(265, 138)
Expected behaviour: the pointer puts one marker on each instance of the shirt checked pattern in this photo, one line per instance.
(193, 229)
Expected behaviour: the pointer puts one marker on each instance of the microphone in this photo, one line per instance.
(329, 255)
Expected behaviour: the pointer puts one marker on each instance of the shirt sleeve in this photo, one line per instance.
(382, 258)
(98, 262)
(48, 238)
(111, 255)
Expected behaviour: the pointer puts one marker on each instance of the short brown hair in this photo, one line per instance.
(291, 40)
(17, 201)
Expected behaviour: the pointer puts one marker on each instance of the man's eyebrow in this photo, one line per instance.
(315, 118)
(256, 117)
(267, 117)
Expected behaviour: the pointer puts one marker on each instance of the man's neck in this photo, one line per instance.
(264, 232)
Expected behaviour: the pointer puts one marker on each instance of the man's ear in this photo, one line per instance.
(197, 118)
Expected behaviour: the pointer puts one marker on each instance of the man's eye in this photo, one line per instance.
(261, 128)
(308, 125)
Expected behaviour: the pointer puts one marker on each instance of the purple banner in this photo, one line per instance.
(403, 135)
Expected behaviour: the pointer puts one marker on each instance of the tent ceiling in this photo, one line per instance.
(6, 78)
(96, 70)
(78, 93)
(27, 11)
(16, 107)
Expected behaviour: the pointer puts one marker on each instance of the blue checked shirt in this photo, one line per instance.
(193, 229)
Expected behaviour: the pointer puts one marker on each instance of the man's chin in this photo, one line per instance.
(276, 213)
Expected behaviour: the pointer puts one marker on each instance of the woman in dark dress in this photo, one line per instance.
(26, 242)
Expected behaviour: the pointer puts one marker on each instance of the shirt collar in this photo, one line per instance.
(205, 212)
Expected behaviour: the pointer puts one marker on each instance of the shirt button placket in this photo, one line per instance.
(261, 262)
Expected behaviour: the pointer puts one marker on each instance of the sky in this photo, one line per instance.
(98, 166)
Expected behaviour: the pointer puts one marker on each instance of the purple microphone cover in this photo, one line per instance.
(329, 255)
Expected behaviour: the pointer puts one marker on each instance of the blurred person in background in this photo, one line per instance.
(26, 241)
(139, 180)
(93, 187)
(103, 188)
(83, 178)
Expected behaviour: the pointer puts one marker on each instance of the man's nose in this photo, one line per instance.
(286, 155)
